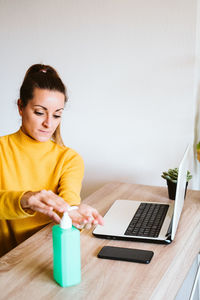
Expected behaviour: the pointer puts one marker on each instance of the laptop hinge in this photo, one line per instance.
(168, 239)
(169, 230)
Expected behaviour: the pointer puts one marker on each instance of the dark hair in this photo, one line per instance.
(42, 77)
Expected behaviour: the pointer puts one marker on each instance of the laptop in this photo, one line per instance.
(122, 218)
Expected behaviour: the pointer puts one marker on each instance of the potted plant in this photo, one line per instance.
(171, 176)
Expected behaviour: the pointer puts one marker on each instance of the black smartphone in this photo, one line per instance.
(127, 254)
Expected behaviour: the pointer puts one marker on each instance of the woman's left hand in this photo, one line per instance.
(85, 216)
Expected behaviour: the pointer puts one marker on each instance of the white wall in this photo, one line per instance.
(129, 69)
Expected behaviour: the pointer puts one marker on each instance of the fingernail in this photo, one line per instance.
(88, 226)
(80, 226)
(88, 215)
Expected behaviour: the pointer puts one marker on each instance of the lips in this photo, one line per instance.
(45, 132)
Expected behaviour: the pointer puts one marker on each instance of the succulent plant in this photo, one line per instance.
(172, 175)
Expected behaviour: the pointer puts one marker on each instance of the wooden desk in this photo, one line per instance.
(26, 271)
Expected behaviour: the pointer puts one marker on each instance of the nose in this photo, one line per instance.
(47, 122)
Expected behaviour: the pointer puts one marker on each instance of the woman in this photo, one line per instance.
(40, 177)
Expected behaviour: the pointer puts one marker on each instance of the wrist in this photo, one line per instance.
(24, 202)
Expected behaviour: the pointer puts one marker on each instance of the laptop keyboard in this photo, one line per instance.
(147, 220)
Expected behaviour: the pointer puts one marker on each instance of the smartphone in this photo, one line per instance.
(127, 254)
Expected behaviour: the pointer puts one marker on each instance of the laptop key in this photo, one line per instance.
(147, 220)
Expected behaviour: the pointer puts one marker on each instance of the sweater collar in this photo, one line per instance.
(25, 141)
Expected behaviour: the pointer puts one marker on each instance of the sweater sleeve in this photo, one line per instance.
(10, 207)
(70, 182)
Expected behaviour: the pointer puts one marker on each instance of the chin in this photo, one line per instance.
(43, 139)
(40, 138)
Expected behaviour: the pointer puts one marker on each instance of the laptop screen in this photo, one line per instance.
(180, 190)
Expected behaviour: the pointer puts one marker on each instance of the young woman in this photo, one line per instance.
(40, 177)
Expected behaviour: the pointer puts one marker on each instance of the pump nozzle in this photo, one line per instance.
(66, 221)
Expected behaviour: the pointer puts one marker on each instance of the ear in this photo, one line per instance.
(19, 104)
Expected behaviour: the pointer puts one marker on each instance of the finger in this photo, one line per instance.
(86, 211)
(53, 200)
(88, 218)
(50, 213)
(76, 217)
(78, 225)
(34, 203)
(52, 203)
(98, 219)
(92, 215)
(61, 204)
(88, 226)
(37, 205)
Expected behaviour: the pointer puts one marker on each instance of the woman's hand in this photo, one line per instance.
(85, 216)
(45, 202)
(50, 204)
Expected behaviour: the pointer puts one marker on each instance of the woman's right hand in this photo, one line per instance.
(45, 202)
(50, 204)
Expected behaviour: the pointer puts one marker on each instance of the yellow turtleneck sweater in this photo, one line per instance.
(29, 165)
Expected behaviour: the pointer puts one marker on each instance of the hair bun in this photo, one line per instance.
(42, 77)
(39, 68)
(43, 70)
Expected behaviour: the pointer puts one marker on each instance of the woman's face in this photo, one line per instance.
(42, 114)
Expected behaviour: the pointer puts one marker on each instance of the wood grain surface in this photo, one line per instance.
(26, 272)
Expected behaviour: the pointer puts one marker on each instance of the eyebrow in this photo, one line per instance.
(46, 108)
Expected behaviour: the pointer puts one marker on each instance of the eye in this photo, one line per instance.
(38, 113)
(56, 116)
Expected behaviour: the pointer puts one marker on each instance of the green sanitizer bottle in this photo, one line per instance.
(66, 253)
